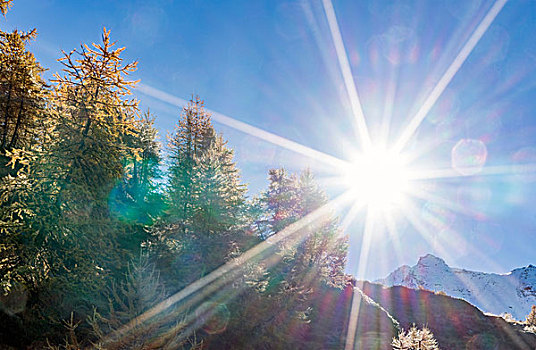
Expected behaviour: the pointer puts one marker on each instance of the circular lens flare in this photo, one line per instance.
(379, 178)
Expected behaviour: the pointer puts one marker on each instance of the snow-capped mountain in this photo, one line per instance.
(514, 292)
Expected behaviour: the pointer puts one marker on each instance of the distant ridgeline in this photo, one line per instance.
(513, 293)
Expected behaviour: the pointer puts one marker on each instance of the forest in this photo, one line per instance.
(98, 227)
(113, 236)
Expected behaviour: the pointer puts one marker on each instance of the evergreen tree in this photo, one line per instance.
(192, 135)
(136, 293)
(140, 290)
(205, 213)
(204, 189)
(218, 196)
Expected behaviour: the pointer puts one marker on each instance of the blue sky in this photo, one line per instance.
(273, 64)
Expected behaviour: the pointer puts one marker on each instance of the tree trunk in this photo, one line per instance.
(6, 117)
(17, 125)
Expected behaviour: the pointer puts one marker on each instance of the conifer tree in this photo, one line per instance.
(298, 266)
(95, 121)
(415, 339)
(140, 290)
(205, 210)
(531, 317)
(205, 195)
(186, 146)
(95, 116)
(136, 198)
(22, 95)
(129, 298)
(4, 6)
(23, 132)
(323, 251)
(59, 238)
(204, 190)
(218, 196)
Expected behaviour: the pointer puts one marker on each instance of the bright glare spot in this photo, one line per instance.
(380, 179)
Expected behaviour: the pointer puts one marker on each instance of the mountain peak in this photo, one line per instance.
(430, 260)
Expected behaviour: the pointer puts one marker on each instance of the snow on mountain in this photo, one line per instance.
(514, 292)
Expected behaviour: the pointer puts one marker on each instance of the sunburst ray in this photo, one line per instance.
(466, 50)
(361, 269)
(248, 129)
(346, 71)
(214, 280)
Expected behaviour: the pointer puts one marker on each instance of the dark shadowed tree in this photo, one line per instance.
(276, 305)
(136, 198)
(22, 95)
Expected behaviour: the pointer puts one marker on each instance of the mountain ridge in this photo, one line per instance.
(513, 292)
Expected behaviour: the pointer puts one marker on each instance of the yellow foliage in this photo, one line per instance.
(5, 5)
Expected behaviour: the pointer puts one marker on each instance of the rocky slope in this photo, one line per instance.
(456, 324)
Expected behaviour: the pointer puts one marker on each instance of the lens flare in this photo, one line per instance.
(214, 317)
(469, 156)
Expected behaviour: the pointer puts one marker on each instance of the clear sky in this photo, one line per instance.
(274, 65)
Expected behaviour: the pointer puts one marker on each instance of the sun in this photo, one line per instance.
(380, 178)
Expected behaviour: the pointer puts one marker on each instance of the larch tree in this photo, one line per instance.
(22, 95)
(309, 258)
(96, 127)
(415, 339)
(5, 5)
(23, 122)
(95, 117)
(531, 317)
(60, 240)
